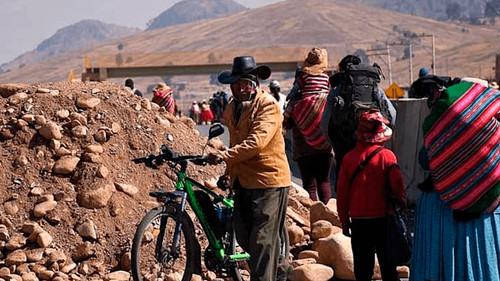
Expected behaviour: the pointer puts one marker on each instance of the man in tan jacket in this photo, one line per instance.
(257, 165)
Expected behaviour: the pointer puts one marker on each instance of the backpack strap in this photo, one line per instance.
(363, 164)
(388, 194)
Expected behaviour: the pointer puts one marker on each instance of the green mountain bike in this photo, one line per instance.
(166, 246)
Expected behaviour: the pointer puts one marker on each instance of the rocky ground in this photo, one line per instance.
(71, 198)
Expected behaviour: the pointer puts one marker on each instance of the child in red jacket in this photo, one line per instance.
(361, 195)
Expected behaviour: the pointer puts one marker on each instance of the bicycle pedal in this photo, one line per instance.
(239, 257)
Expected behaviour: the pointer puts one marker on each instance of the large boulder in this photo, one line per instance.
(97, 196)
(321, 229)
(50, 131)
(87, 102)
(66, 165)
(7, 90)
(335, 251)
(295, 234)
(328, 212)
(312, 272)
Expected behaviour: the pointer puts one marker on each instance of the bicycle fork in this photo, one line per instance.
(165, 256)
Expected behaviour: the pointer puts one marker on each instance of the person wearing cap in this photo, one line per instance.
(310, 147)
(162, 95)
(275, 91)
(361, 195)
(257, 167)
(424, 71)
(129, 83)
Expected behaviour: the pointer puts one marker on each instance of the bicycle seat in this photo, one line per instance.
(159, 194)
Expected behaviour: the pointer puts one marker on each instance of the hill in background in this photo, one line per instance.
(285, 31)
(81, 35)
(472, 11)
(86, 33)
(194, 10)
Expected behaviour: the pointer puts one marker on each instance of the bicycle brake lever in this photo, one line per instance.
(202, 161)
(139, 160)
(146, 160)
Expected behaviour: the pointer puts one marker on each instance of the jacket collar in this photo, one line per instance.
(247, 110)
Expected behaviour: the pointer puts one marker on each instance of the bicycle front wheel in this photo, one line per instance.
(157, 254)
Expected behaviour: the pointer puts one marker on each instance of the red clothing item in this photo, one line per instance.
(206, 113)
(366, 198)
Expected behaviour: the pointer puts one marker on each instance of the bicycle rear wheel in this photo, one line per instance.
(154, 256)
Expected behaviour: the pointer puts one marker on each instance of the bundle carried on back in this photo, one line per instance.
(357, 93)
(462, 135)
(307, 115)
(308, 98)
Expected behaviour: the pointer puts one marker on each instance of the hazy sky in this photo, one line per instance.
(26, 23)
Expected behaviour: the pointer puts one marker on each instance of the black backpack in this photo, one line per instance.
(426, 85)
(357, 93)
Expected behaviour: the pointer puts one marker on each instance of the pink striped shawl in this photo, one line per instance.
(164, 99)
(464, 148)
(307, 115)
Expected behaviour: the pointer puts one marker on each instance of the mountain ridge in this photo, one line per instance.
(86, 33)
(285, 31)
(194, 10)
(472, 11)
(80, 35)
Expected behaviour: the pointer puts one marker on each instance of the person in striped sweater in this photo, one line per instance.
(302, 115)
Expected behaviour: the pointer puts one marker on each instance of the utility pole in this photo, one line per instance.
(433, 66)
(410, 61)
(433, 55)
(389, 62)
(411, 64)
(390, 65)
(497, 68)
(386, 51)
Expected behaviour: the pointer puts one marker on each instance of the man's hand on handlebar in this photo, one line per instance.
(214, 159)
(224, 182)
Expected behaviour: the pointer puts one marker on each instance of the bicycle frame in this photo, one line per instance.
(185, 191)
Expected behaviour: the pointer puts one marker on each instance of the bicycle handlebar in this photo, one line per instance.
(153, 161)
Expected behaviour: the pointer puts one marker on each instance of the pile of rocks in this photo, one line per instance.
(320, 249)
(71, 197)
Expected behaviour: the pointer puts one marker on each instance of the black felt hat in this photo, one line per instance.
(242, 66)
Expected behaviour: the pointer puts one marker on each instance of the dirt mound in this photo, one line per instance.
(71, 197)
(68, 181)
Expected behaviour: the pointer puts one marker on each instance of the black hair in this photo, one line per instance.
(129, 83)
(349, 59)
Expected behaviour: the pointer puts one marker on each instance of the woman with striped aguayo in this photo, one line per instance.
(303, 113)
(163, 96)
(457, 219)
